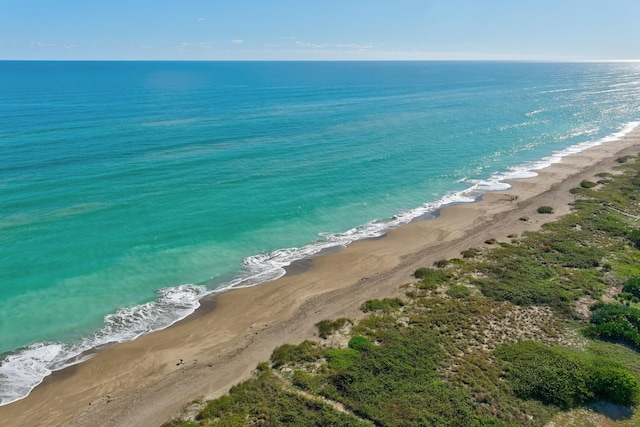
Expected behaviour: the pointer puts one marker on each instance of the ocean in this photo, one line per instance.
(129, 190)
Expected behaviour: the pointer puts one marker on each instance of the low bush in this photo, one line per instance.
(341, 358)
(386, 305)
(430, 278)
(632, 286)
(615, 322)
(328, 327)
(576, 190)
(307, 351)
(587, 184)
(565, 378)
(624, 159)
(180, 423)
(441, 263)
(458, 291)
(605, 175)
(470, 253)
(634, 236)
(360, 343)
(545, 209)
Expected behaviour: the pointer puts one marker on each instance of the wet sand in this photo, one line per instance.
(144, 382)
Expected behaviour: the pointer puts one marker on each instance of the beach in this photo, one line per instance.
(152, 379)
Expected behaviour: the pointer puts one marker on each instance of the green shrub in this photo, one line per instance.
(546, 374)
(458, 291)
(614, 383)
(430, 278)
(306, 381)
(632, 286)
(605, 175)
(545, 209)
(634, 236)
(470, 253)
(386, 305)
(624, 159)
(422, 272)
(565, 378)
(441, 263)
(328, 327)
(180, 423)
(341, 358)
(360, 343)
(307, 351)
(587, 184)
(615, 322)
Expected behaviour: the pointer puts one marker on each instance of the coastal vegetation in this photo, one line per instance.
(328, 327)
(517, 333)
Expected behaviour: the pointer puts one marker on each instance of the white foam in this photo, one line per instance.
(24, 369)
(533, 113)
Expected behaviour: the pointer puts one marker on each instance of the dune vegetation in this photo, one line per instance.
(523, 331)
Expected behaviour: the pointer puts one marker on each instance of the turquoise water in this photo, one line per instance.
(128, 190)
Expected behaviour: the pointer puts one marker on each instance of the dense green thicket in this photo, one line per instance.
(566, 378)
(615, 322)
(632, 286)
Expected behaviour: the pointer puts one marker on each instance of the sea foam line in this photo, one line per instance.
(22, 370)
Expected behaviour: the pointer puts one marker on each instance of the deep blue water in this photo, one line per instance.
(130, 189)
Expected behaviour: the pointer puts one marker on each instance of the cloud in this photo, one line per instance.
(312, 45)
(144, 46)
(207, 45)
(200, 19)
(354, 46)
(237, 41)
(68, 46)
(42, 44)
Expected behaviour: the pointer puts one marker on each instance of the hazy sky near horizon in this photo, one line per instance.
(320, 30)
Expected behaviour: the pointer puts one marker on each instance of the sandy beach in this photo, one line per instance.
(144, 382)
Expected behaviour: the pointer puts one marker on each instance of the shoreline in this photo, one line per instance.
(143, 382)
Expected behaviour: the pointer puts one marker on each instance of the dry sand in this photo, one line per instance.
(141, 383)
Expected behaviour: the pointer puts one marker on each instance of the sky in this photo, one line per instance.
(557, 30)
